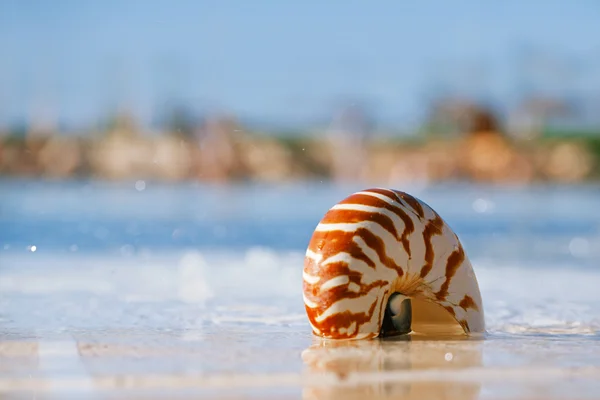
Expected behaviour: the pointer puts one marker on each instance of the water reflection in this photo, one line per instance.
(379, 369)
(18, 357)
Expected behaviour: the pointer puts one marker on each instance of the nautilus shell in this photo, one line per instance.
(383, 263)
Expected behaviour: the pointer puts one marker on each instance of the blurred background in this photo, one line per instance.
(136, 126)
(228, 91)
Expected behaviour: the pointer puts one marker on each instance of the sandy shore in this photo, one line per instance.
(102, 308)
(158, 365)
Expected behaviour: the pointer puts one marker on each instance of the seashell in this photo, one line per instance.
(381, 259)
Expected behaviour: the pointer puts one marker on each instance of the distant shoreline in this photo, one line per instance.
(224, 153)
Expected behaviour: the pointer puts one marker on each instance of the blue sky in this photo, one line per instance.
(287, 60)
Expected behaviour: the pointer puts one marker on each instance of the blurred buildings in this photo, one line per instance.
(461, 141)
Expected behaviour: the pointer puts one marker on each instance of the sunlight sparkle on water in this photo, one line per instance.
(482, 205)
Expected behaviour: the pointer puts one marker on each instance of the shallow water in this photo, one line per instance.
(196, 290)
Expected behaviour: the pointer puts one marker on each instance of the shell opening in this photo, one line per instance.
(404, 315)
(397, 319)
(430, 318)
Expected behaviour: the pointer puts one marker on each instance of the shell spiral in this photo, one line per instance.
(377, 242)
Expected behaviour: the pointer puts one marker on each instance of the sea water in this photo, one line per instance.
(155, 290)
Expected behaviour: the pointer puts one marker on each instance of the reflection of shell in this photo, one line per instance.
(391, 369)
(378, 242)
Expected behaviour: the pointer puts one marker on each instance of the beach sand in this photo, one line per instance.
(187, 292)
(146, 364)
(128, 328)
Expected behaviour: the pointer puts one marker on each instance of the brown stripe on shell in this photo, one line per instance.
(450, 310)
(433, 227)
(325, 298)
(465, 325)
(366, 200)
(468, 302)
(384, 192)
(341, 320)
(455, 260)
(412, 202)
(377, 244)
(330, 243)
(330, 271)
(356, 216)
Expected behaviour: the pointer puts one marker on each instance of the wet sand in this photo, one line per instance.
(230, 363)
